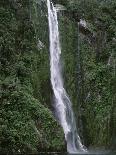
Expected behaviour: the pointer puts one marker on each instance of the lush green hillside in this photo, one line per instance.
(27, 124)
(89, 69)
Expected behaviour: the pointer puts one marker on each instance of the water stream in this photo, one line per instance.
(89, 153)
(62, 102)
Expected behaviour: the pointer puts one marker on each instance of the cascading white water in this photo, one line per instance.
(62, 102)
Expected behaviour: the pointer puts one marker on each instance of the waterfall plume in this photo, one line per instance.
(62, 103)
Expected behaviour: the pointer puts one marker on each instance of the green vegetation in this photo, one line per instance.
(27, 122)
(90, 72)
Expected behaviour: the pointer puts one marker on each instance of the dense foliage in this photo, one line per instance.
(89, 69)
(27, 125)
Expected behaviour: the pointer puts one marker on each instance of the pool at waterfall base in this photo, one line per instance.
(88, 153)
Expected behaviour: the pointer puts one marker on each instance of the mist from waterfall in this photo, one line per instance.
(63, 106)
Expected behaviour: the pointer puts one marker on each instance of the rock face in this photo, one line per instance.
(87, 51)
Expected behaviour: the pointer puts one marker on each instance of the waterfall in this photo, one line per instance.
(62, 103)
